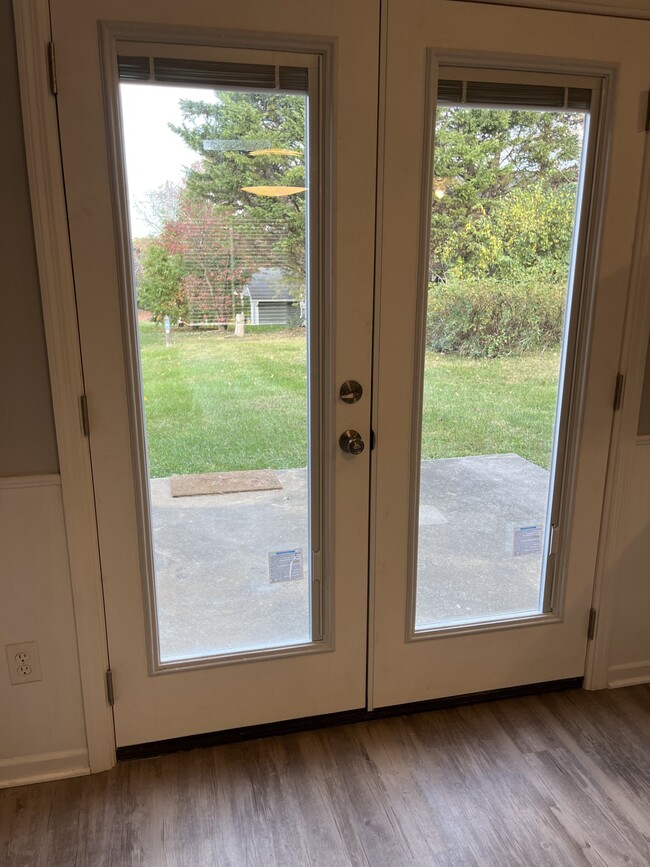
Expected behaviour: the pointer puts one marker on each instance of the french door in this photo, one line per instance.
(484, 561)
(288, 640)
(281, 532)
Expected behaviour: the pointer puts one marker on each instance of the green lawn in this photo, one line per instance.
(214, 402)
(490, 406)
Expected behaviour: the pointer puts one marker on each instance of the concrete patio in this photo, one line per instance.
(215, 593)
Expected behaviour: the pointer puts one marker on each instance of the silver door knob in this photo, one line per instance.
(351, 442)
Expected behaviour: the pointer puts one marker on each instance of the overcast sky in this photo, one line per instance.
(154, 154)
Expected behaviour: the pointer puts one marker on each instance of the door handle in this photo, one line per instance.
(351, 442)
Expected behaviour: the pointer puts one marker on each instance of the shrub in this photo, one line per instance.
(488, 318)
(160, 289)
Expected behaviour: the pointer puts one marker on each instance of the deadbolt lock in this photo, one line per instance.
(351, 442)
(350, 391)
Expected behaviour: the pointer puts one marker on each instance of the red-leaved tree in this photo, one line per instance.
(220, 253)
(203, 236)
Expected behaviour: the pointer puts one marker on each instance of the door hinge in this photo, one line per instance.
(85, 418)
(591, 627)
(618, 391)
(51, 62)
(110, 694)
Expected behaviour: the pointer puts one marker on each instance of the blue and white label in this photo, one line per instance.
(527, 539)
(285, 565)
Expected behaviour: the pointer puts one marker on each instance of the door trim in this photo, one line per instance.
(623, 441)
(49, 215)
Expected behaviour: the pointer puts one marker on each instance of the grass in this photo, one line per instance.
(215, 402)
(490, 406)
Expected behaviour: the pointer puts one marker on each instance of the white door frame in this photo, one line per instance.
(623, 442)
(66, 375)
(32, 20)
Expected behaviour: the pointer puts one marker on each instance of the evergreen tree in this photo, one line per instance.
(498, 174)
(224, 133)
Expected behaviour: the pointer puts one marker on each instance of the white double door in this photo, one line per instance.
(369, 74)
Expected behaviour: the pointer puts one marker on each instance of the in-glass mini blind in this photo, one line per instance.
(213, 73)
(497, 94)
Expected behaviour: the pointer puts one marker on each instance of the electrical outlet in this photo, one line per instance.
(24, 662)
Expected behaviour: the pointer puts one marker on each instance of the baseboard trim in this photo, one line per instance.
(628, 674)
(211, 739)
(24, 770)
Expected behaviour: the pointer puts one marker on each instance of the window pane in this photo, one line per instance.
(217, 193)
(505, 190)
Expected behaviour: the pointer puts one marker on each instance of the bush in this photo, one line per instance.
(488, 318)
(160, 290)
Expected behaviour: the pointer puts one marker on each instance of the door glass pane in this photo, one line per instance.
(217, 196)
(505, 193)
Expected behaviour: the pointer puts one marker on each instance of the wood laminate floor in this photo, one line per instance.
(557, 779)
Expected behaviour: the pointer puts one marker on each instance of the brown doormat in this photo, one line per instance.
(224, 483)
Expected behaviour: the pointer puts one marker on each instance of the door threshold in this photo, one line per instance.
(346, 717)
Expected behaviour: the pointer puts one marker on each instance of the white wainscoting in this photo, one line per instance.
(42, 734)
(41, 767)
(628, 674)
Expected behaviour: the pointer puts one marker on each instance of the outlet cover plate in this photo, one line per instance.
(21, 657)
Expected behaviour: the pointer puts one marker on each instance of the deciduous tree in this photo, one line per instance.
(160, 289)
(497, 172)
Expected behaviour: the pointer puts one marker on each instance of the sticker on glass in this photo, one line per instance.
(285, 565)
(528, 539)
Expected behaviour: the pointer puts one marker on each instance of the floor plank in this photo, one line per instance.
(558, 779)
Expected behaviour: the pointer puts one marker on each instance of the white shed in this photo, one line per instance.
(273, 299)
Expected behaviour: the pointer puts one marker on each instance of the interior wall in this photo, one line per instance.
(41, 724)
(27, 439)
